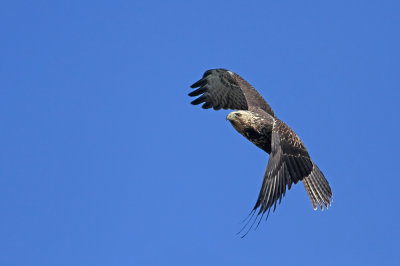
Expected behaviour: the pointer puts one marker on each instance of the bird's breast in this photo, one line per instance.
(261, 139)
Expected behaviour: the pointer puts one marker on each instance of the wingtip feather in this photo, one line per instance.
(199, 83)
(199, 100)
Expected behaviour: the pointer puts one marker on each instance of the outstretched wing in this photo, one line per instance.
(288, 163)
(221, 88)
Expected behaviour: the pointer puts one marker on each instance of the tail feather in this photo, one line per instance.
(318, 189)
(310, 194)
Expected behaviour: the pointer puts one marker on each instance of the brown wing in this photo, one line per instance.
(220, 88)
(288, 163)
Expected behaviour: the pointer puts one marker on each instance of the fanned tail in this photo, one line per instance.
(318, 189)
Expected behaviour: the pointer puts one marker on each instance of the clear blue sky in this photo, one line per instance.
(103, 161)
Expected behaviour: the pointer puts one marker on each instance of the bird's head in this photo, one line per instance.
(240, 119)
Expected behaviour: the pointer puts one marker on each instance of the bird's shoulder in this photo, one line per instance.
(290, 142)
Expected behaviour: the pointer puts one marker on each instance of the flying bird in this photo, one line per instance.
(289, 161)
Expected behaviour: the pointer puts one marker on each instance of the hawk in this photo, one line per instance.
(289, 161)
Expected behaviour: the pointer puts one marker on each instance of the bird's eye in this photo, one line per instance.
(238, 114)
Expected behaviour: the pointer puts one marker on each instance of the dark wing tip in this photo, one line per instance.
(207, 105)
(197, 92)
(207, 73)
(199, 83)
(199, 100)
(219, 91)
(202, 81)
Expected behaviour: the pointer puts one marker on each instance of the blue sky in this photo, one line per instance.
(103, 161)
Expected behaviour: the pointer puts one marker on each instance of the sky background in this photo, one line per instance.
(103, 161)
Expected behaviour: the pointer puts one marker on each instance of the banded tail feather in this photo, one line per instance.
(318, 189)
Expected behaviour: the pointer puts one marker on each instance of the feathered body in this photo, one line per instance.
(289, 160)
(253, 126)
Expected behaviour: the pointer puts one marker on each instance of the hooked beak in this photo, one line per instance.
(230, 117)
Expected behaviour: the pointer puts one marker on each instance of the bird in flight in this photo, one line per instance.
(289, 161)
